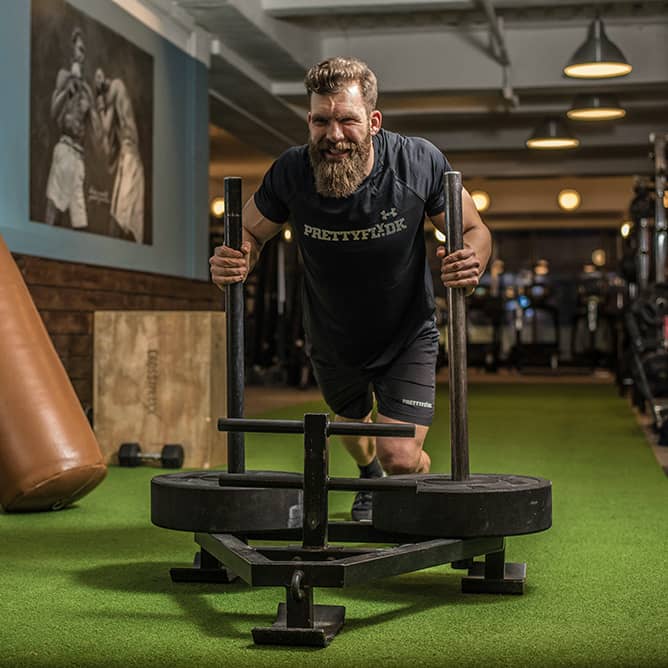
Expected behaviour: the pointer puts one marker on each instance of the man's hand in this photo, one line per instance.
(460, 269)
(228, 265)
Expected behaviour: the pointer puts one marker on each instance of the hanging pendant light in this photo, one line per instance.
(598, 57)
(593, 107)
(552, 133)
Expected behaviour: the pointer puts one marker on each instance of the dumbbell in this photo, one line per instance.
(170, 457)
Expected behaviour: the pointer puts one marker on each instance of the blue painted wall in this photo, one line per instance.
(180, 154)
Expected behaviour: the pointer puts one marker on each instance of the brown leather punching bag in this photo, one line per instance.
(48, 453)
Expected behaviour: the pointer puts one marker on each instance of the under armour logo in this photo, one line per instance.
(392, 213)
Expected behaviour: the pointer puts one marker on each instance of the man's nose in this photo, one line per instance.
(335, 132)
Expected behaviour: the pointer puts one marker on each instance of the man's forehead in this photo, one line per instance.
(350, 98)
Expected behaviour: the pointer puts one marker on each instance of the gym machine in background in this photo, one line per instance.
(485, 319)
(594, 328)
(536, 321)
(276, 351)
(646, 317)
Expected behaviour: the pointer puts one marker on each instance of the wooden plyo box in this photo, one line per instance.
(159, 377)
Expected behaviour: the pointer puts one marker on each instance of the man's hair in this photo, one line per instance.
(334, 74)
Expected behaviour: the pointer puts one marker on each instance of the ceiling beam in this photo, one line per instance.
(432, 57)
(297, 8)
(301, 8)
(499, 138)
(531, 164)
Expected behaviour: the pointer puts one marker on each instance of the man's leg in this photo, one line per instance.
(403, 455)
(348, 393)
(405, 393)
(59, 184)
(361, 448)
(78, 212)
(52, 214)
(363, 451)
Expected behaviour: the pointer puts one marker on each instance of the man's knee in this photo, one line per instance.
(400, 456)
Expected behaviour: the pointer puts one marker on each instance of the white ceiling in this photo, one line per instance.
(440, 66)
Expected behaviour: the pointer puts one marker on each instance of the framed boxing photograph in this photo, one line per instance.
(91, 126)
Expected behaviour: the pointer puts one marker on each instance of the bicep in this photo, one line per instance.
(61, 81)
(256, 225)
(470, 216)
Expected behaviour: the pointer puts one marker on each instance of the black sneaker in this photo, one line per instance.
(361, 510)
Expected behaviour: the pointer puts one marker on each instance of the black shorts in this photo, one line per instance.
(404, 388)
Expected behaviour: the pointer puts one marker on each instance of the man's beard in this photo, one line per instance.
(339, 178)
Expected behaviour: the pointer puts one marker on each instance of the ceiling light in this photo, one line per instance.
(569, 199)
(542, 268)
(439, 235)
(287, 234)
(625, 229)
(598, 257)
(481, 199)
(552, 133)
(595, 108)
(218, 206)
(598, 57)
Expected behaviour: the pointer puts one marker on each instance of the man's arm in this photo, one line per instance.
(106, 107)
(64, 87)
(464, 267)
(231, 266)
(92, 114)
(104, 118)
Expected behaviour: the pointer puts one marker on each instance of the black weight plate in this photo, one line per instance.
(194, 501)
(484, 505)
(129, 454)
(171, 456)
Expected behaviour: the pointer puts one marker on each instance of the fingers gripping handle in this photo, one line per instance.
(234, 307)
(454, 234)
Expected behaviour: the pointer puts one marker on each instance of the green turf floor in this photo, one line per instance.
(89, 586)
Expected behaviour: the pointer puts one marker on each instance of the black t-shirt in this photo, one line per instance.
(367, 287)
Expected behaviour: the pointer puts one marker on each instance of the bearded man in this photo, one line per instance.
(357, 197)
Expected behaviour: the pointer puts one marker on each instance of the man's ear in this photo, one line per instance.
(375, 121)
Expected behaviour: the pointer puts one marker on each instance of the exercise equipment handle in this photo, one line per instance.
(278, 480)
(456, 299)
(240, 425)
(372, 429)
(234, 316)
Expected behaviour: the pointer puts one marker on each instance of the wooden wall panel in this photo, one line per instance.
(68, 293)
(155, 381)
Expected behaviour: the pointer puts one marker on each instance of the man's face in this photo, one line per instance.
(79, 50)
(99, 81)
(340, 149)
